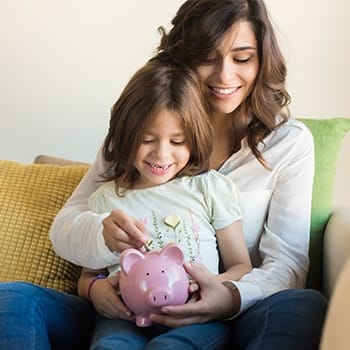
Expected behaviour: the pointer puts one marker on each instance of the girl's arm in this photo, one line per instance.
(234, 253)
(87, 280)
(103, 293)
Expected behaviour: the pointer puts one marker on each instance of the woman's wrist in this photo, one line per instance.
(236, 298)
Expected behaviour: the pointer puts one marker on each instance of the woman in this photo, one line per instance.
(232, 46)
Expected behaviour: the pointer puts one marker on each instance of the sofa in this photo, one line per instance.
(32, 194)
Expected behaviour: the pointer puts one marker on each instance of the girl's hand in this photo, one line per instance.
(194, 293)
(121, 231)
(215, 301)
(106, 300)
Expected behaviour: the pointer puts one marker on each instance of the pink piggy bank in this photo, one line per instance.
(151, 280)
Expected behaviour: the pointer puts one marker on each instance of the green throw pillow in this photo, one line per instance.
(328, 135)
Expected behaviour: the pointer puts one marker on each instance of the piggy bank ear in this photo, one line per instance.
(129, 257)
(174, 252)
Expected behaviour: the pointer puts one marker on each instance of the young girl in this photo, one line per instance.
(158, 147)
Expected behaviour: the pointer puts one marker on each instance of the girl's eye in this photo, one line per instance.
(178, 142)
(147, 140)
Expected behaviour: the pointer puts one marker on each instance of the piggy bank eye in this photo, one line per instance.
(162, 271)
(147, 273)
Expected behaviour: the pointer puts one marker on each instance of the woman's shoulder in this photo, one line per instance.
(292, 132)
(294, 127)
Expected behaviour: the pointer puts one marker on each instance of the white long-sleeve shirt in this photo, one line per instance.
(276, 223)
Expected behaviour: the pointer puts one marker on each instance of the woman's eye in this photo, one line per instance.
(242, 60)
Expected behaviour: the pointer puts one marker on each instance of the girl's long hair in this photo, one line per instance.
(156, 87)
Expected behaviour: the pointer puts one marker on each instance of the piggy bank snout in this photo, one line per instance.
(159, 296)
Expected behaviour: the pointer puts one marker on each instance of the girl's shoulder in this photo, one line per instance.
(214, 180)
(106, 188)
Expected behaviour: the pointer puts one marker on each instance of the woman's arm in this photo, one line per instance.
(76, 232)
(281, 249)
(86, 238)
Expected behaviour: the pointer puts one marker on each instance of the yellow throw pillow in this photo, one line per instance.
(30, 197)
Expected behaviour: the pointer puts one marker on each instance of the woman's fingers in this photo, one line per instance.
(212, 301)
(181, 315)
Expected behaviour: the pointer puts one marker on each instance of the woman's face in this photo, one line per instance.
(231, 70)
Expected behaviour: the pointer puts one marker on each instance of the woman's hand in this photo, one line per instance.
(121, 231)
(215, 301)
(106, 301)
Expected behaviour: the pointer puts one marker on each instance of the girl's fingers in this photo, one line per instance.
(122, 231)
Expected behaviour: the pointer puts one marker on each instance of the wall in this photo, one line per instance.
(63, 64)
(314, 35)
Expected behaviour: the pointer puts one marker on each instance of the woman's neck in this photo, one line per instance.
(228, 133)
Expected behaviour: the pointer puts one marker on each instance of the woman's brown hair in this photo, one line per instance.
(198, 28)
(153, 88)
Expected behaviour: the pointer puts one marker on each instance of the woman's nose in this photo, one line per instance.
(226, 70)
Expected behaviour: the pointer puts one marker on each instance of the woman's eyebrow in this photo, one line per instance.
(243, 48)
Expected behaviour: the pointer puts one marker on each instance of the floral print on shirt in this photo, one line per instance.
(173, 229)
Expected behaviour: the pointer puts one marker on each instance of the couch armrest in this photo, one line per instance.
(335, 333)
(336, 248)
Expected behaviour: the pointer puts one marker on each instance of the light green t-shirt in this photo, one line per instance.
(186, 210)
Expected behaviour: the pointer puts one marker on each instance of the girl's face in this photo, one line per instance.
(164, 151)
(231, 70)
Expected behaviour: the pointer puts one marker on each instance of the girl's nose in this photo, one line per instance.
(162, 150)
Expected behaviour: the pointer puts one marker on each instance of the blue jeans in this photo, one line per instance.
(125, 335)
(288, 320)
(38, 318)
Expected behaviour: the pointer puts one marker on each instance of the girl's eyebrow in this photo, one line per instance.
(178, 134)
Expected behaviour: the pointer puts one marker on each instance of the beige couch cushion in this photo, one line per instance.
(46, 159)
